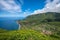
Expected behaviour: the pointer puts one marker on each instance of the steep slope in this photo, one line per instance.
(46, 22)
(49, 16)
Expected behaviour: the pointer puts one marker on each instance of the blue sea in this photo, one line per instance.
(9, 23)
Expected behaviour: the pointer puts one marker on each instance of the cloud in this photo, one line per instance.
(10, 6)
(26, 13)
(51, 6)
(21, 14)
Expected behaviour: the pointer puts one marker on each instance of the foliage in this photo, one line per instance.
(22, 35)
(26, 35)
(47, 23)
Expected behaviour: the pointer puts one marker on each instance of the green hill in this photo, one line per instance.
(48, 23)
(49, 16)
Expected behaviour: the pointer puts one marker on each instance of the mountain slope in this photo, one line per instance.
(45, 16)
(45, 22)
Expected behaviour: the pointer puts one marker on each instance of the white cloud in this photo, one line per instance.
(51, 6)
(27, 13)
(10, 6)
(22, 14)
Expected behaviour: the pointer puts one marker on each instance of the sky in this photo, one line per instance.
(23, 8)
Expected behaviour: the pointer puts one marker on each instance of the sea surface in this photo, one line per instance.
(9, 23)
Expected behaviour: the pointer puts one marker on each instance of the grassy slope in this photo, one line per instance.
(26, 35)
(47, 22)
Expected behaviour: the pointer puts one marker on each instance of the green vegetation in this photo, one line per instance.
(45, 26)
(47, 23)
(26, 35)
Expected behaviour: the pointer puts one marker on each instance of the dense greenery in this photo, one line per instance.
(45, 26)
(26, 35)
(49, 16)
(45, 19)
(47, 23)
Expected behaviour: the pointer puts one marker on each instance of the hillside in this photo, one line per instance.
(22, 35)
(49, 16)
(26, 35)
(48, 23)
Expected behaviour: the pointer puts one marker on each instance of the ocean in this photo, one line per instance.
(9, 23)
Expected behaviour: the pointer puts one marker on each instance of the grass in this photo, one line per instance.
(22, 35)
(26, 35)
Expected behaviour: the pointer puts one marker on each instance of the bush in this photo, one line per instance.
(22, 35)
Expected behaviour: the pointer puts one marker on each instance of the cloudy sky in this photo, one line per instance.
(22, 8)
